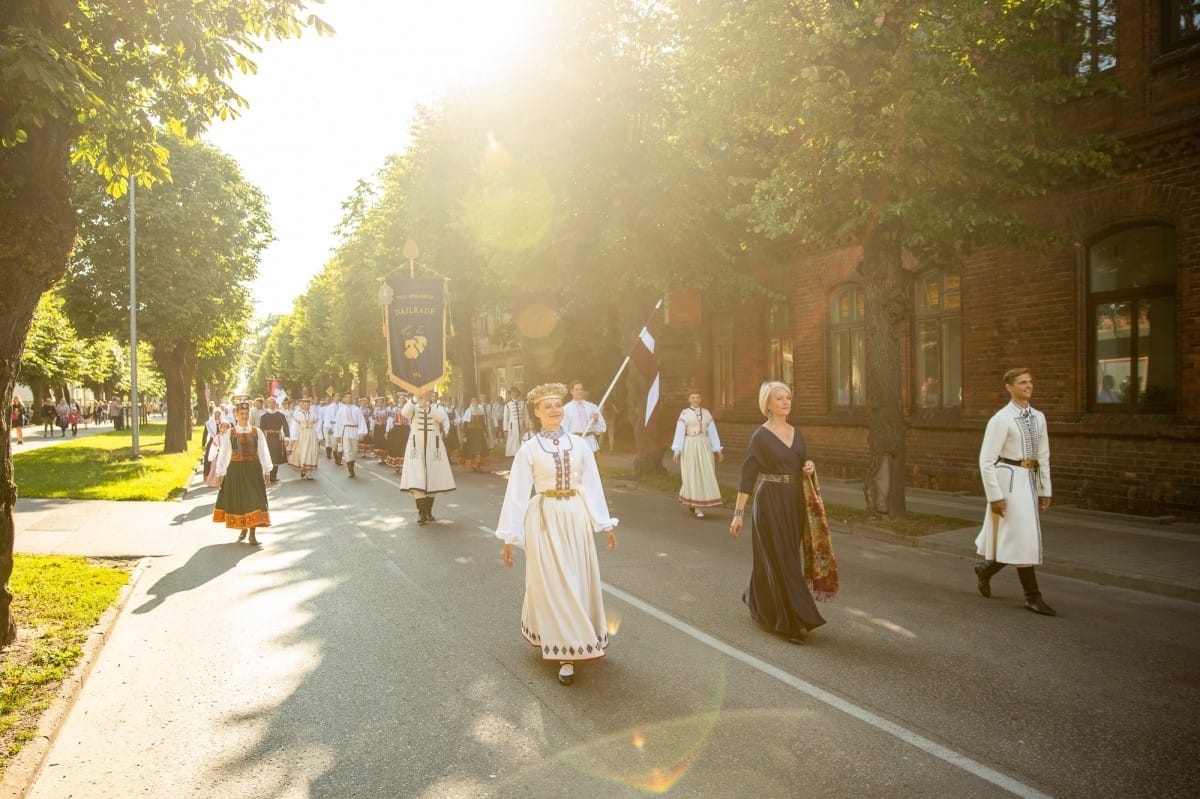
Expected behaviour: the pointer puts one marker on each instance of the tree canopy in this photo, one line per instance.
(199, 240)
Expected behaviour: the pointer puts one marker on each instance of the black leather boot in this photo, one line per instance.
(421, 517)
(328, 453)
(350, 466)
(983, 576)
(429, 509)
(274, 474)
(1033, 597)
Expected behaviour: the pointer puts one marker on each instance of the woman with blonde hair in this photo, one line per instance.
(553, 507)
(793, 559)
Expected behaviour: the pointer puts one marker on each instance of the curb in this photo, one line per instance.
(1133, 582)
(24, 768)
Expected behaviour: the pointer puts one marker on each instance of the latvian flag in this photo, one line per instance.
(644, 356)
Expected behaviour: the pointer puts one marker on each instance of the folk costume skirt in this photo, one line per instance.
(306, 452)
(242, 499)
(563, 612)
(699, 473)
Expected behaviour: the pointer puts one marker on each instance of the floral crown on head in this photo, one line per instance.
(545, 390)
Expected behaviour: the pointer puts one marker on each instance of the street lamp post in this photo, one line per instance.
(135, 416)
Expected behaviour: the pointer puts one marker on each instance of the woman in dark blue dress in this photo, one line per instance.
(776, 462)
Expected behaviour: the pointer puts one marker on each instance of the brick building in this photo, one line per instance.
(1110, 327)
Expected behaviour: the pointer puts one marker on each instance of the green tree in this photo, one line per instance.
(53, 355)
(906, 128)
(93, 82)
(199, 239)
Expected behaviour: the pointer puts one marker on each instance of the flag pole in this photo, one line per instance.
(613, 384)
(625, 362)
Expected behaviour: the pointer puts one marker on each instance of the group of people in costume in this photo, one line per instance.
(554, 502)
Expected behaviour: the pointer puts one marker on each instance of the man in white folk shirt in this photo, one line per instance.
(1015, 464)
(348, 424)
(582, 418)
(327, 424)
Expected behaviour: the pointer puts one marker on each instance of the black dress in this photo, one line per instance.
(275, 427)
(778, 594)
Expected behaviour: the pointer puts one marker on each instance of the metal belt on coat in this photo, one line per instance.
(777, 478)
(1024, 464)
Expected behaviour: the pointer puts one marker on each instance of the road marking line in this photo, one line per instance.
(891, 728)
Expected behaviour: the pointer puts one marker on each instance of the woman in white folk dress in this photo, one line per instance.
(553, 507)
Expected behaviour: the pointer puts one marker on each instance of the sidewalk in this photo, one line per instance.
(1104, 548)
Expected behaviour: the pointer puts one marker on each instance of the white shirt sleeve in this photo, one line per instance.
(511, 526)
(593, 493)
(989, 452)
(713, 438)
(680, 433)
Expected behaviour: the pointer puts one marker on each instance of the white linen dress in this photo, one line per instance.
(695, 442)
(563, 611)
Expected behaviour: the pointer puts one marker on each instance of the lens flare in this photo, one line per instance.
(535, 320)
(614, 622)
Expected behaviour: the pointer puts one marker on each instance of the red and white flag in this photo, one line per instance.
(644, 356)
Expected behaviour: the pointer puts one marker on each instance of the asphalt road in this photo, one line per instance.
(360, 655)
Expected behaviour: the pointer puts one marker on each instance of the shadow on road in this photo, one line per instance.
(206, 564)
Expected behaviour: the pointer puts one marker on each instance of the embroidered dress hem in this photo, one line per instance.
(303, 467)
(240, 521)
(561, 653)
(700, 503)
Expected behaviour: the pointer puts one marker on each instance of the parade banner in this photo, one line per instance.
(415, 326)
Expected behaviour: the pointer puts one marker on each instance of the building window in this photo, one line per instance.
(938, 341)
(847, 343)
(1131, 302)
(1181, 23)
(1098, 29)
(501, 379)
(518, 377)
(723, 362)
(779, 343)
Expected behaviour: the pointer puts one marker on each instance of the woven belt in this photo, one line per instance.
(777, 478)
(1025, 464)
(560, 493)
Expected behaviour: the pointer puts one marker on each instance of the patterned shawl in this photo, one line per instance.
(820, 566)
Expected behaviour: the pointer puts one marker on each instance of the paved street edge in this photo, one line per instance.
(25, 766)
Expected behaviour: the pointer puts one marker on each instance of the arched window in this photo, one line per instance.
(937, 363)
(847, 347)
(1131, 302)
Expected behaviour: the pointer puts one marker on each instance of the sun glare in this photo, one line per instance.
(468, 40)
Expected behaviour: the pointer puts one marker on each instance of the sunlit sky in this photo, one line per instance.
(325, 112)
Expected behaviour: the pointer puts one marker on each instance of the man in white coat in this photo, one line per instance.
(582, 418)
(348, 424)
(516, 421)
(1015, 464)
(426, 462)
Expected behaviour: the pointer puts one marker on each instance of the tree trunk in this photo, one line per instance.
(178, 367)
(37, 229)
(885, 285)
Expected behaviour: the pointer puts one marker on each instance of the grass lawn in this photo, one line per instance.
(57, 600)
(102, 467)
(915, 524)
